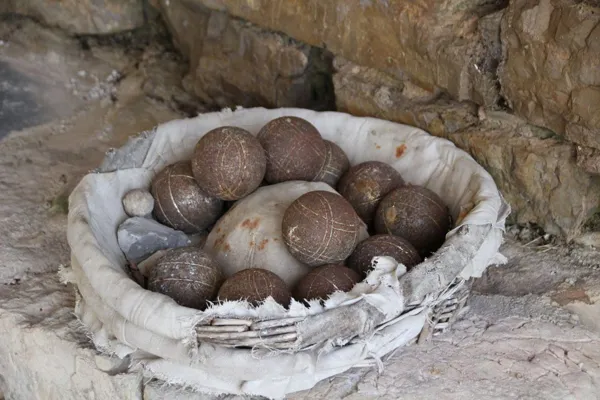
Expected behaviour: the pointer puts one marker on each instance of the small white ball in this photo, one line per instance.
(138, 203)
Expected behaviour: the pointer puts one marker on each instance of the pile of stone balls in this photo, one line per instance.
(320, 228)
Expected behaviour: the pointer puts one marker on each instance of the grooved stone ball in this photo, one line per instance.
(321, 228)
(229, 163)
(180, 203)
(324, 281)
(396, 247)
(138, 203)
(365, 184)
(295, 150)
(255, 285)
(417, 214)
(336, 165)
(187, 275)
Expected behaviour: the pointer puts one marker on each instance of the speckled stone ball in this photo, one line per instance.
(138, 203)
(255, 285)
(417, 214)
(365, 184)
(295, 150)
(180, 203)
(325, 280)
(336, 165)
(187, 275)
(229, 163)
(320, 228)
(396, 247)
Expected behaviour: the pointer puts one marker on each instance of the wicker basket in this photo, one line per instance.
(438, 287)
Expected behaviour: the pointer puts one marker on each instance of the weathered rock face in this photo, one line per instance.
(537, 174)
(236, 63)
(365, 91)
(82, 16)
(440, 44)
(551, 71)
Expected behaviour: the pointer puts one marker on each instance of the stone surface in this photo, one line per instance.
(551, 68)
(82, 16)
(365, 91)
(536, 172)
(141, 237)
(441, 44)
(138, 203)
(233, 62)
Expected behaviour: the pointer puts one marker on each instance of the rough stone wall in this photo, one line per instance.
(551, 70)
(82, 16)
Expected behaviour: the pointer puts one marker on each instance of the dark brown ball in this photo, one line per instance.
(365, 184)
(416, 214)
(180, 203)
(295, 149)
(229, 163)
(255, 285)
(320, 228)
(396, 247)
(336, 165)
(325, 280)
(187, 275)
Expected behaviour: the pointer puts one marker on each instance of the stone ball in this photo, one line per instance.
(417, 214)
(365, 184)
(229, 163)
(255, 285)
(396, 247)
(138, 203)
(336, 165)
(325, 280)
(295, 150)
(321, 227)
(188, 275)
(180, 203)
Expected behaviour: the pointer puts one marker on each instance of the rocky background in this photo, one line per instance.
(515, 83)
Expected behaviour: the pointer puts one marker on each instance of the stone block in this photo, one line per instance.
(82, 17)
(364, 91)
(440, 44)
(551, 69)
(233, 62)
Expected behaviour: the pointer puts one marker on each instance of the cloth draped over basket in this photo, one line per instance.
(388, 310)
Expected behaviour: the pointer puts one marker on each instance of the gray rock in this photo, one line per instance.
(141, 237)
(138, 203)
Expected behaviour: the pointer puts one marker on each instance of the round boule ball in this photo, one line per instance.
(255, 285)
(295, 149)
(138, 203)
(365, 184)
(336, 165)
(417, 214)
(180, 203)
(396, 247)
(188, 275)
(321, 228)
(325, 280)
(229, 163)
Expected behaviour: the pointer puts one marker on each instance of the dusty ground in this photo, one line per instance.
(532, 330)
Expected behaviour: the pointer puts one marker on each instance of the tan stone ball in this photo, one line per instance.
(417, 214)
(187, 275)
(365, 184)
(295, 149)
(321, 228)
(255, 285)
(325, 280)
(229, 163)
(180, 203)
